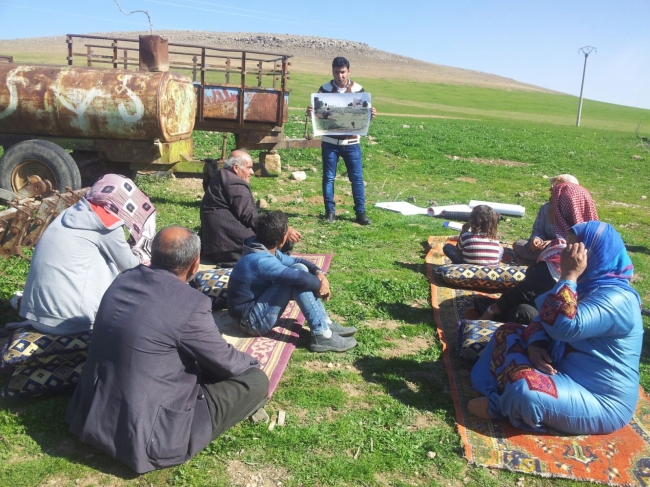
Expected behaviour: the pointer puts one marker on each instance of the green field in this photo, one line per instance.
(392, 389)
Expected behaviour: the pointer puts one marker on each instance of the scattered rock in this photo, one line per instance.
(421, 127)
(545, 176)
(519, 195)
(271, 198)
(644, 197)
(431, 454)
(299, 200)
(313, 169)
(330, 365)
(281, 418)
(365, 183)
(406, 126)
(636, 157)
(262, 204)
(260, 415)
(299, 175)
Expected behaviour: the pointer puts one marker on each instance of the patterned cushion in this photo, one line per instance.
(479, 277)
(214, 284)
(30, 347)
(28, 381)
(473, 337)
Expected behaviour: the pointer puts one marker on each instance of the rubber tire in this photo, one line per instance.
(53, 156)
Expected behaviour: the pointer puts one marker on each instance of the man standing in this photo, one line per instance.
(228, 211)
(345, 146)
(160, 382)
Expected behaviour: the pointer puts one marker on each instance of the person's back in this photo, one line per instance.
(478, 249)
(74, 262)
(157, 365)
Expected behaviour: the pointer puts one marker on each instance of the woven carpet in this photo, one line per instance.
(621, 458)
(274, 350)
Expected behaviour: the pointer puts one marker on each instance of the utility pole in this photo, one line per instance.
(586, 51)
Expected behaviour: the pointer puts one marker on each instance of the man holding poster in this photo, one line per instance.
(339, 124)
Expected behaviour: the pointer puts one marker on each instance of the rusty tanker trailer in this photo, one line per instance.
(61, 127)
(112, 120)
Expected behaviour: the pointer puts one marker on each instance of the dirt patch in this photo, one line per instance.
(425, 421)
(255, 475)
(90, 480)
(406, 346)
(319, 366)
(383, 324)
(466, 180)
(491, 162)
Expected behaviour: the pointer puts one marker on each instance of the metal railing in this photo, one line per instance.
(200, 61)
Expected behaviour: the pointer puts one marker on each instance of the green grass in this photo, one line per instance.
(391, 391)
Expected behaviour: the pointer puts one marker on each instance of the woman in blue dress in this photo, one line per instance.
(576, 367)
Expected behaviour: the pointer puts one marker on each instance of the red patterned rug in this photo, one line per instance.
(273, 350)
(621, 458)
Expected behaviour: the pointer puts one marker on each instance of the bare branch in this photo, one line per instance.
(142, 11)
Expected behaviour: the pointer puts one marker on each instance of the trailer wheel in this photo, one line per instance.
(38, 158)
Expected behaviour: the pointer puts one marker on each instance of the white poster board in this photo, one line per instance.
(340, 113)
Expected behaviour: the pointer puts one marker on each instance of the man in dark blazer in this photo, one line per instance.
(228, 211)
(160, 382)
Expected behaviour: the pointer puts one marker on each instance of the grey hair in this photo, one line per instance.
(177, 254)
(238, 161)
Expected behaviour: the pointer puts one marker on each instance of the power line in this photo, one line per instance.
(586, 51)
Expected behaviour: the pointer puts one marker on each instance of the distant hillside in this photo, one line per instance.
(311, 55)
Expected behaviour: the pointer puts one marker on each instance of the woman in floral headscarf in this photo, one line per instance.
(82, 251)
(543, 231)
(576, 367)
(570, 204)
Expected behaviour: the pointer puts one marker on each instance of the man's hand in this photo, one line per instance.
(373, 112)
(539, 244)
(309, 110)
(466, 227)
(324, 292)
(492, 311)
(573, 261)
(293, 235)
(540, 359)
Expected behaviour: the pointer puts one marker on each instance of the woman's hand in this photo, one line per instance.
(573, 261)
(540, 359)
(539, 244)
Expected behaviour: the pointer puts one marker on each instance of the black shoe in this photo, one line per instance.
(362, 219)
(330, 216)
(336, 343)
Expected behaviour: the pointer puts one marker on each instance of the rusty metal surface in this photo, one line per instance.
(154, 54)
(24, 223)
(223, 103)
(95, 103)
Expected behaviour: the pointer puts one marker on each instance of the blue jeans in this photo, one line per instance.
(270, 305)
(351, 155)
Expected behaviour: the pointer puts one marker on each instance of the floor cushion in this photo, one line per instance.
(214, 284)
(472, 276)
(26, 346)
(473, 337)
(29, 381)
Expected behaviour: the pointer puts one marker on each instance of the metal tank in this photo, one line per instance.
(96, 103)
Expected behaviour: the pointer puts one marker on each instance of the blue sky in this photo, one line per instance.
(533, 42)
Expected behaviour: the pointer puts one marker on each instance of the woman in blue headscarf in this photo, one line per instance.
(576, 367)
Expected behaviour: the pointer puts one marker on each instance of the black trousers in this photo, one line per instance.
(234, 399)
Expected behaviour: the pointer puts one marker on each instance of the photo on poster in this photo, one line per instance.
(340, 113)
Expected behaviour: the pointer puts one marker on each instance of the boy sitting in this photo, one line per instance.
(264, 280)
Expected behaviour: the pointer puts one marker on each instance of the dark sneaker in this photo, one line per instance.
(330, 216)
(335, 343)
(362, 219)
(344, 331)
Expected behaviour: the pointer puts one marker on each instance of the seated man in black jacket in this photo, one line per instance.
(160, 382)
(228, 211)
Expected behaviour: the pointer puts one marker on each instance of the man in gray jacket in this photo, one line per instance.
(160, 382)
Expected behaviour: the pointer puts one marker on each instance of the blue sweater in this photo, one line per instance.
(258, 269)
